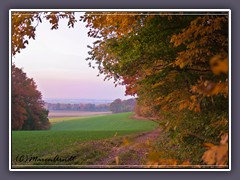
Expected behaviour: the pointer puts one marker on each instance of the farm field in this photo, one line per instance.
(60, 114)
(78, 136)
(113, 122)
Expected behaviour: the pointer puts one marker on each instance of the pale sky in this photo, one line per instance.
(56, 62)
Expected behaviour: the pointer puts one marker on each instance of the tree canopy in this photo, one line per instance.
(28, 111)
(177, 65)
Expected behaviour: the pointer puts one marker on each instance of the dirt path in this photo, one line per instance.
(133, 152)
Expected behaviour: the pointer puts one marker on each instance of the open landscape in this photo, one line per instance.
(120, 89)
(92, 139)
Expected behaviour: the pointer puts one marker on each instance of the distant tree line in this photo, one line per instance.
(118, 105)
(78, 107)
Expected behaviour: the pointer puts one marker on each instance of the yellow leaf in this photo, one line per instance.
(148, 142)
(216, 154)
(125, 142)
(219, 64)
(224, 138)
(154, 156)
(208, 144)
(117, 160)
(222, 154)
(186, 163)
(209, 156)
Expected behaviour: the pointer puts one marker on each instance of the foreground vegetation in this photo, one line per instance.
(78, 137)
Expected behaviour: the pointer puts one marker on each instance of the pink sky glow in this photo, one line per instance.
(56, 61)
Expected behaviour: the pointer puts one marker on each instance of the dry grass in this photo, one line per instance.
(59, 114)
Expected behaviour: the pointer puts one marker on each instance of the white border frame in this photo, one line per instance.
(124, 10)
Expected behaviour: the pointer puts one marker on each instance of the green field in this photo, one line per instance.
(68, 133)
(113, 122)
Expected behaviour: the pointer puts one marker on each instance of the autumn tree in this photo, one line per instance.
(206, 42)
(177, 65)
(27, 105)
(28, 111)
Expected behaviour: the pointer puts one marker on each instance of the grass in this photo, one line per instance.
(64, 119)
(113, 122)
(75, 135)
